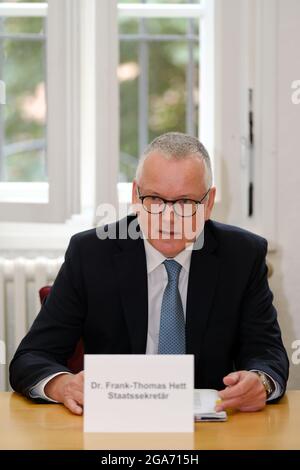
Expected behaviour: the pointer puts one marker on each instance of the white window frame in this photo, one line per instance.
(59, 198)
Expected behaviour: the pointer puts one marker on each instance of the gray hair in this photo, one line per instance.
(177, 146)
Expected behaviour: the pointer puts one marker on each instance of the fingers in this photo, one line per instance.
(73, 406)
(232, 403)
(239, 390)
(231, 379)
(258, 403)
(253, 407)
(244, 392)
(73, 394)
(248, 402)
(67, 389)
(246, 381)
(236, 386)
(76, 395)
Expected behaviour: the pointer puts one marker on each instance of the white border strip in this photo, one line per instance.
(134, 10)
(130, 10)
(16, 10)
(28, 192)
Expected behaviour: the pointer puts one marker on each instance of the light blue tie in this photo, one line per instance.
(172, 324)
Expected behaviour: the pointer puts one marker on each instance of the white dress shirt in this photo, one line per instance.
(157, 282)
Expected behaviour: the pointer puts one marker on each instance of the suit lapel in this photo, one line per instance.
(203, 278)
(131, 270)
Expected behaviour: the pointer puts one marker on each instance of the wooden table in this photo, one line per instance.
(25, 425)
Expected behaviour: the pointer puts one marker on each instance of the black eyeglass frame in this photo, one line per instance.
(166, 201)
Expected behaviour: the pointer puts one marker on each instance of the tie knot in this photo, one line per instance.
(173, 269)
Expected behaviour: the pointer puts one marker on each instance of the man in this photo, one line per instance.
(177, 288)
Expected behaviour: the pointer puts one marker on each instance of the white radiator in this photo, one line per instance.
(20, 281)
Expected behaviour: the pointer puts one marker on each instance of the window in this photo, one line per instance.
(159, 73)
(39, 150)
(152, 102)
(165, 69)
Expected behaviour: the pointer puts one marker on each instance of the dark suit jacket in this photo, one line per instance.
(100, 294)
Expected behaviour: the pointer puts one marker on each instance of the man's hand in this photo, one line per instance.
(244, 392)
(67, 389)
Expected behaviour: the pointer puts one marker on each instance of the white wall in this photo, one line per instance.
(285, 281)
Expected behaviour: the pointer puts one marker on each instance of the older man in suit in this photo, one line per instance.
(185, 284)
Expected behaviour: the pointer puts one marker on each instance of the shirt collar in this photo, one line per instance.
(155, 258)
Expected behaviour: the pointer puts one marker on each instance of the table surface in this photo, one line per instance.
(26, 425)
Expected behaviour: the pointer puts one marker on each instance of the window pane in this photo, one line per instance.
(23, 25)
(158, 76)
(23, 117)
(128, 78)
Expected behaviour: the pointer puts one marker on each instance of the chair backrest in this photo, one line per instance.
(43, 293)
(75, 362)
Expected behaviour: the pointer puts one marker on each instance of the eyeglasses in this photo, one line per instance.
(182, 207)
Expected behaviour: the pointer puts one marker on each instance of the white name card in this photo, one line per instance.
(138, 393)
